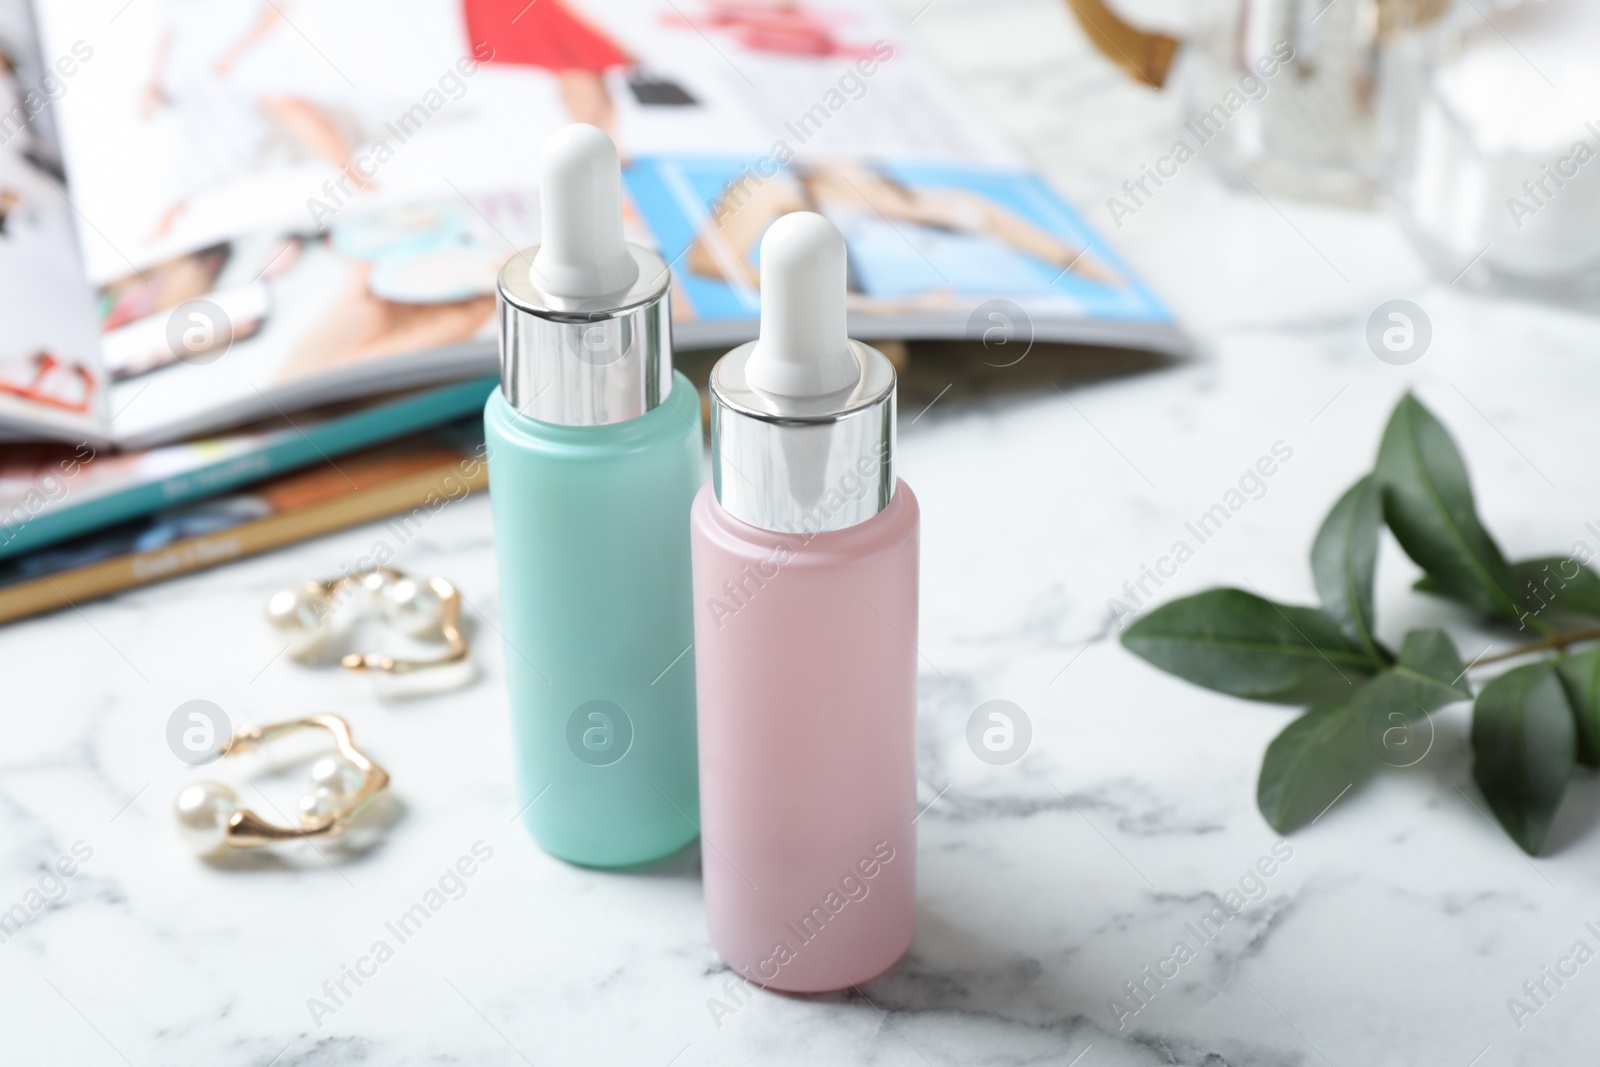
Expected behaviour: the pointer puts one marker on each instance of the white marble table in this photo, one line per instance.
(1393, 934)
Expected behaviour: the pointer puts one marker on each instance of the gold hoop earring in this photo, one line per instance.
(211, 819)
(305, 616)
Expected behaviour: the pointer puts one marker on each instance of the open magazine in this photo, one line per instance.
(283, 203)
(50, 380)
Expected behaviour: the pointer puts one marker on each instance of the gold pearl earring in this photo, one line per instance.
(308, 616)
(211, 819)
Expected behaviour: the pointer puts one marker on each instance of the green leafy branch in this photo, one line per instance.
(1531, 725)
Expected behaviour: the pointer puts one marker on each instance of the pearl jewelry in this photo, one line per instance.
(318, 805)
(373, 583)
(299, 615)
(334, 782)
(212, 820)
(341, 778)
(314, 617)
(412, 607)
(204, 811)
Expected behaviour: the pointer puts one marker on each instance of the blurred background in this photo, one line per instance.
(1121, 252)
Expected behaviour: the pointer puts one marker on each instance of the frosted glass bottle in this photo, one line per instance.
(805, 552)
(594, 460)
(807, 718)
(591, 528)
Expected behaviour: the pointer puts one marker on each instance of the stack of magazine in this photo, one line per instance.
(248, 247)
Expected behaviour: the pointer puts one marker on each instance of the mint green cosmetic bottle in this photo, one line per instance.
(594, 461)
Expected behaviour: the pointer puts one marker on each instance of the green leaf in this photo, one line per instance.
(1580, 673)
(1557, 584)
(1343, 559)
(1394, 706)
(1524, 744)
(1427, 501)
(1431, 657)
(1238, 643)
(1335, 746)
(1310, 765)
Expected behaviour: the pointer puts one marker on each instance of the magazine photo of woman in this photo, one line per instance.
(414, 279)
(550, 36)
(910, 246)
(779, 27)
(227, 124)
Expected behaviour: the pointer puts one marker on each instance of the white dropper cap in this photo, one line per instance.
(582, 253)
(804, 349)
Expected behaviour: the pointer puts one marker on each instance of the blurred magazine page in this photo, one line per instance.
(50, 379)
(296, 202)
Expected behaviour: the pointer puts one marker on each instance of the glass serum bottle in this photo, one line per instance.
(805, 579)
(594, 452)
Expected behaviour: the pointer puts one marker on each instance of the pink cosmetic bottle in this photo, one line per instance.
(805, 583)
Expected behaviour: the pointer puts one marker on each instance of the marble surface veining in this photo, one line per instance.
(1391, 932)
